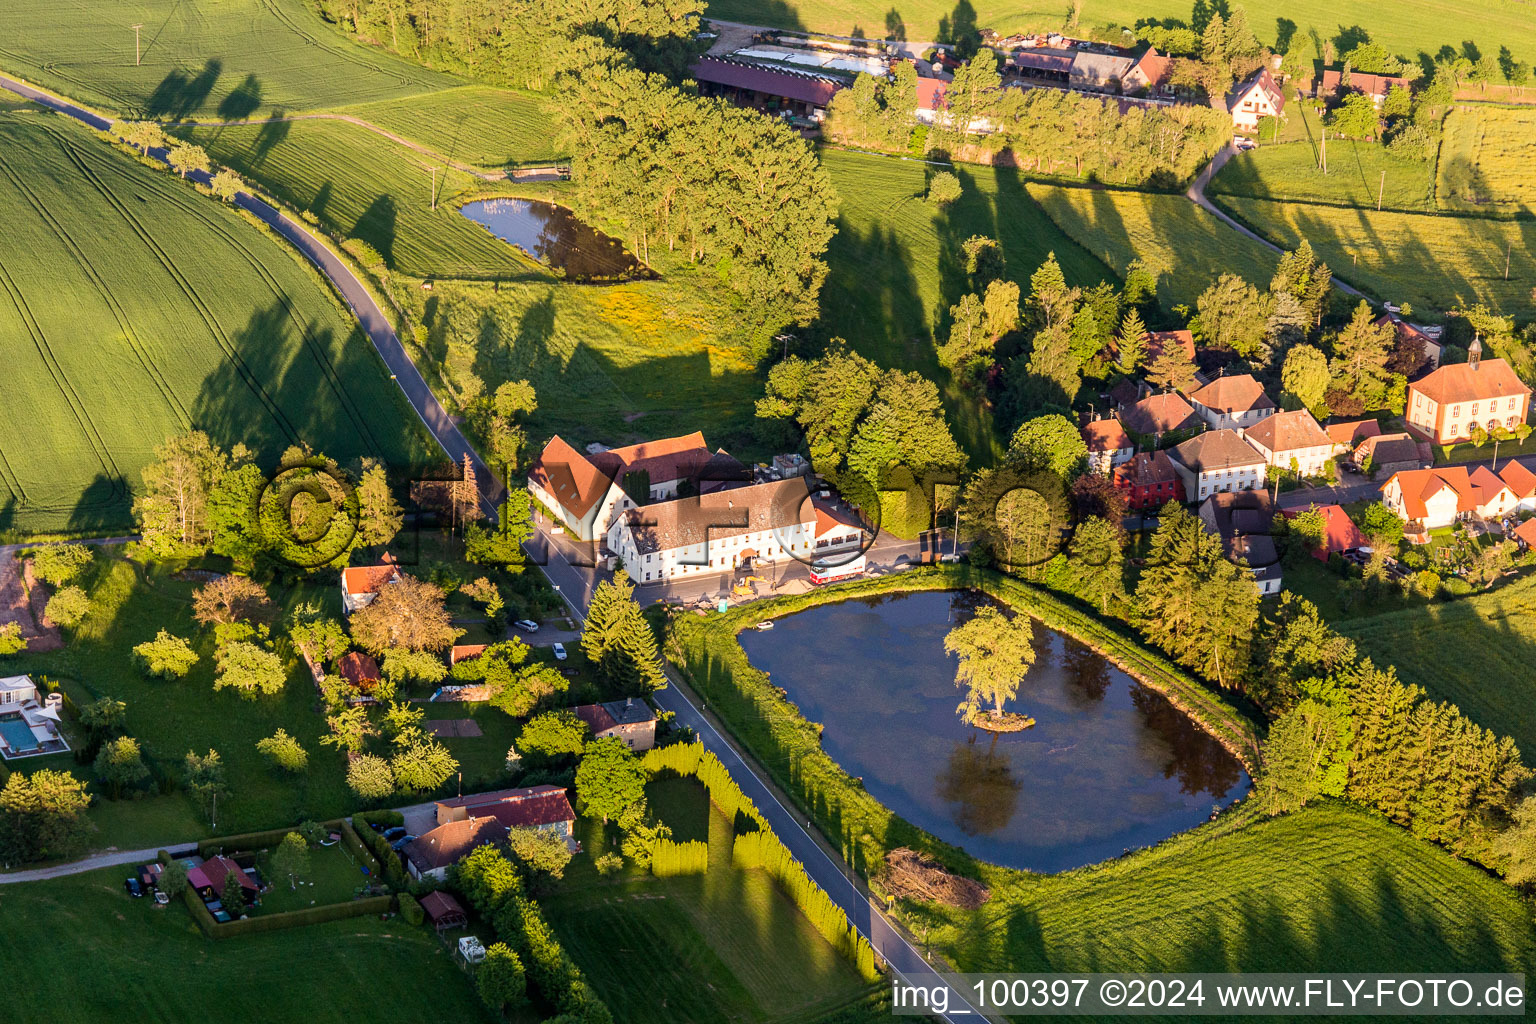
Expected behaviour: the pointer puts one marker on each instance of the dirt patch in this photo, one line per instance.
(22, 600)
(910, 875)
(447, 727)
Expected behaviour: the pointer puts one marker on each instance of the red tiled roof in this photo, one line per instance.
(1238, 393)
(596, 716)
(1340, 533)
(1521, 481)
(1419, 485)
(214, 872)
(1526, 532)
(1352, 432)
(450, 843)
(668, 458)
(1288, 432)
(530, 812)
(1146, 470)
(1261, 80)
(930, 93)
(569, 477)
(791, 85)
(829, 517)
(1371, 85)
(367, 579)
(358, 668)
(1461, 383)
(1216, 449)
(497, 796)
(1155, 66)
(1043, 59)
(464, 652)
(1486, 486)
(1158, 414)
(1106, 435)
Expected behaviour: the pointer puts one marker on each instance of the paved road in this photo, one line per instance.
(111, 858)
(373, 319)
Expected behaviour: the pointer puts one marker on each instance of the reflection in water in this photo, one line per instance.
(980, 786)
(553, 235)
(1109, 765)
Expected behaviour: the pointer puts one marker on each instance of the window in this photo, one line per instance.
(1474, 408)
(1510, 423)
(1514, 403)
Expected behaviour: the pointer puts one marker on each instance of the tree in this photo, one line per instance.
(968, 340)
(1095, 562)
(146, 135)
(402, 666)
(1355, 118)
(379, 516)
(186, 158)
(370, 777)
(1133, 342)
(249, 669)
(231, 599)
(464, 495)
(11, 640)
(233, 896)
(499, 978)
(1307, 752)
(1233, 315)
(42, 816)
(166, 656)
(1140, 285)
(284, 751)
(539, 851)
(609, 778)
(173, 879)
(1304, 376)
(619, 641)
(291, 858)
(995, 654)
(1049, 443)
(423, 766)
(402, 724)
(1051, 303)
(1360, 355)
(104, 716)
(319, 640)
(553, 735)
(984, 261)
(59, 564)
(1172, 369)
(409, 614)
(1515, 848)
(226, 185)
(205, 780)
(1094, 494)
(120, 764)
(68, 607)
(350, 729)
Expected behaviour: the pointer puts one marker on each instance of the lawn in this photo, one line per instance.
(1406, 27)
(237, 59)
(1486, 157)
(359, 184)
(723, 946)
(1435, 262)
(1187, 246)
(1475, 652)
(474, 124)
(896, 265)
(333, 877)
(129, 960)
(132, 308)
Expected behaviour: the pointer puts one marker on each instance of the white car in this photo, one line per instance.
(527, 625)
(559, 650)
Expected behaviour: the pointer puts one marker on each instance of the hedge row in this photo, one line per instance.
(689, 858)
(298, 918)
(758, 714)
(354, 843)
(253, 840)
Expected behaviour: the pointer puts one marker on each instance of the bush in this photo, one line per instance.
(386, 817)
(1455, 586)
(58, 564)
(361, 852)
(68, 607)
(410, 909)
(943, 189)
(167, 656)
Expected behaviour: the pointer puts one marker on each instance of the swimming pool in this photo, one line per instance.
(17, 735)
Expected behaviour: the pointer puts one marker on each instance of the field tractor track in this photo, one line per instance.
(351, 58)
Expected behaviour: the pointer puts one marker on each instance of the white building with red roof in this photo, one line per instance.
(1290, 439)
(1445, 405)
(360, 584)
(1430, 497)
(1108, 445)
(1255, 97)
(1232, 403)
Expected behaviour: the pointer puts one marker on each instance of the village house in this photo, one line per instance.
(1340, 534)
(1525, 534)
(1445, 405)
(1431, 498)
(837, 526)
(1235, 403)
(1521, 483)
(629, 720)
(1491, 496)
(360, 584)
(1148, 480)
(209, 878)
(1157, 415)
(751, 526)
(1243, 520)
(480, 819)
(1385, 454)
(1255, 97)
(430, 856)
(1108, 445)
(1345, 436)
(359, 669)
(1411, 333)
(1290, 440)
(1330, 83)
(1216, 461)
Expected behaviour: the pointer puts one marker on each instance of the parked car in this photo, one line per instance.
(395, 833)
(527, 625)
(162, 898)
(559, 650)
(134, 888)
(402, 842)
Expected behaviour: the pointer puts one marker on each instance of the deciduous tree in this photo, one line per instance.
(249, 669)
(609, 778)
(166, 656)
(284, 751)
(995, 653)
(291, 858)
(408, 614)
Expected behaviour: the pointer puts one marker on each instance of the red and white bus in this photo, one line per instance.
(830, 572)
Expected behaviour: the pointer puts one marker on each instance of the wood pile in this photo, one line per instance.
(909, 875)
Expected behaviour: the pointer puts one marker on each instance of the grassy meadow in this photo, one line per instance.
(473, 124)
(896, 264)
(1486, 158)
(225, 61)
(134, 308)
(1186, 246)
(1435, 262)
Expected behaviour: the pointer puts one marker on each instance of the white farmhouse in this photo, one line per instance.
(1289, 437)
(1216, 461)
(1235, 402)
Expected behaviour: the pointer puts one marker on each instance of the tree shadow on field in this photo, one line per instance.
(377, 227)
(895, 27)
(270, 137)
(177, 95)
(871, 297)
(241, 103)
(101, 507)
(1285, 31)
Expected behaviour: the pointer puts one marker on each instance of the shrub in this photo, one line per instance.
(1455, 586)
(370, 777)
(609, 864)
(58, 564)
(11, 640)
(943, 189)
(166, 656)
(284, 751)
(68, 607)
(411, 910)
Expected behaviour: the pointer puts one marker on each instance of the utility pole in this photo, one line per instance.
(1381, 190)
(137, 53)
(1325, 152)
(434, 186)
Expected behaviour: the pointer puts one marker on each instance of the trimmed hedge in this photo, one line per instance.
(410, 909)
(298, 918)
(355, 844)
(705, 648)
(387, 818)
(689, 858)
(254, 840)
(387, 860)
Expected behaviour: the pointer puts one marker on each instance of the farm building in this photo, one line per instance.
(748, 84)
(1331, 83)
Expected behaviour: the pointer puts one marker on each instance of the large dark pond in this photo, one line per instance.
(1109, 765)
(553, 236)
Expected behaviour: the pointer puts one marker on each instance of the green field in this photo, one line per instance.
(719, 947)
(1474, 652)
(130, 960)
(362, 185)
(896, 264)
(1187, 246)
(1406, 27)
(1435, 262)
(134, 308)
(1486, 158)
(473, 124)
(230, 60)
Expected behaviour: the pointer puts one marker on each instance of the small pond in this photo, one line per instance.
(552, 235)
(1110, 765)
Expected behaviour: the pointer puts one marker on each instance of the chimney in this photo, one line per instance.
(1475, 352)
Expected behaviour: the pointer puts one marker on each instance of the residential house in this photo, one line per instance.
(1522, 483)
(1216, 461)
(359, 669)
(1148, 480)
(1345, 436)
(714, 533)
(1255, 97)
(1330, 83)
(1386, 454)
(360, 584)
(1155, 416)
(209, 878)
(545, 806)
(1430, 497)
(1445, 405)
(1492, 498)
(837, 526)
(630, 720)
(17, 690)
(1235, 403)
(1525, 534)
(1413, 334)
(1244, 521)
(431, 855)
(747, 84)
(1340, 534)
(1151, 72)
(1292, 439)
(1108, 445)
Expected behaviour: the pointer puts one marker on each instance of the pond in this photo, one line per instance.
(1109, 766)
(552, 235)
